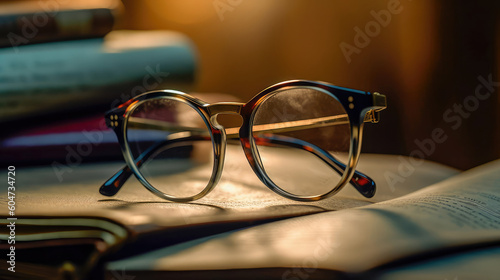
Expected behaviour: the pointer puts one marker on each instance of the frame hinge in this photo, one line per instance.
(379, 101)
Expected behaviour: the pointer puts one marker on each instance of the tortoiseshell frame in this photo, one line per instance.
(360, 107)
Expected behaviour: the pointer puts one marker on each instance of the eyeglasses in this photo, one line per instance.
(301, 138)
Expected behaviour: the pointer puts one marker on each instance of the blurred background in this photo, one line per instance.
(436, 61)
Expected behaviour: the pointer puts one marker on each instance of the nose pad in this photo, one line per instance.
(219, 114)
(228, 122)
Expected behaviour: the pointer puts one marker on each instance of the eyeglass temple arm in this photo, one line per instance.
(114, 184)
(303, 124)
(361, 182)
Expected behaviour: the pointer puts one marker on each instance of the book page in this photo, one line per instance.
(238, 196)
(461, 212)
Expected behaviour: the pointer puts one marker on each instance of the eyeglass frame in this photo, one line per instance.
(360, 107)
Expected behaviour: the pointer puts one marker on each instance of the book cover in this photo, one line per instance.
(61, 76)
(30, 22)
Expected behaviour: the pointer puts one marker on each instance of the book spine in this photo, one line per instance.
(63, 75)
(22, 29)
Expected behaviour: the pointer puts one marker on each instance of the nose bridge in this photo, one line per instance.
(225, 108)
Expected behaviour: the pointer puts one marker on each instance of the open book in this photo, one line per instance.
(242, 229)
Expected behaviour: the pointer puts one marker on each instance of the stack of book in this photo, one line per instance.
(63, 65)
(62, 57)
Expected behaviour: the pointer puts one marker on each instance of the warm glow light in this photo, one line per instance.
(183, 12)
